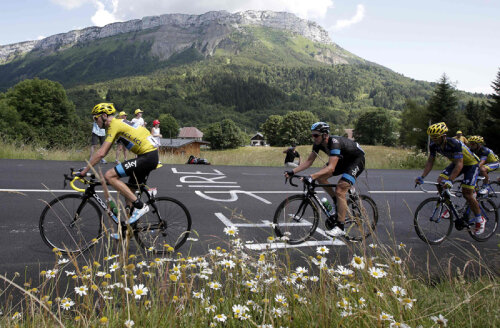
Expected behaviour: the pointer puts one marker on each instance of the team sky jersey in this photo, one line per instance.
(486, 154)
(342, 147)
(454, 149)
(137, 139)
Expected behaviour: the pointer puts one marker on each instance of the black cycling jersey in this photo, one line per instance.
(351, 157)
(342, 147)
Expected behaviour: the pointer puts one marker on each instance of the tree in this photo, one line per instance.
(224, 135)
(296, 126)
(442, 106)
(492, 130)
(375, 127)
(413, 130)
(45, 108)
(169, 126)
(270, 129)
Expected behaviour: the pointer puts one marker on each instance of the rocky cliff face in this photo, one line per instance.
(173, 32)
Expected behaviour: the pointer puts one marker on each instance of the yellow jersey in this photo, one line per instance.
(137, 139)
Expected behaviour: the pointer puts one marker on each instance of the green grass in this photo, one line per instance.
(267, 287)
(377, 157)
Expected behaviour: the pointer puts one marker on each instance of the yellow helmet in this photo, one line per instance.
(103, 108)
(476, 139)
(437, 129)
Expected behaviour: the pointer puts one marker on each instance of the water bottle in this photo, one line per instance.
(112, 206)
(328, 206)
(152, 192)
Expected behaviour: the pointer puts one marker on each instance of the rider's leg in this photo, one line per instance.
(329, 190)
(471, 200)
(113, 179)
(340, 192)
(483, 171)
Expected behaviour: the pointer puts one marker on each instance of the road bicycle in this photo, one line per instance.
(435, 216)
(73, 223)
(297, 217)
(492, 190)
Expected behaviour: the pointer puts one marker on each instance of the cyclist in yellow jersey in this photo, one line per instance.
(488, 159)
(136, 139)
(463, 162)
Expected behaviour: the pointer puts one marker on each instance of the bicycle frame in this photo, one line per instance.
(90, 192)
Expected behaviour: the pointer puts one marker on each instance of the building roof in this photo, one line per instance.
(190, 132)
(177, 143)
(257, 136)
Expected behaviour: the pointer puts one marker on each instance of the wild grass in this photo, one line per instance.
(231, 286)
(377, 157)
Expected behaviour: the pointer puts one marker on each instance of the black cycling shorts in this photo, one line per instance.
(138, 168)
(351, 169)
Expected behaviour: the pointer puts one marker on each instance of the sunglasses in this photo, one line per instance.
(315, 135)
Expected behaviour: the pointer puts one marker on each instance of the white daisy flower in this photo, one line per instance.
(398, 291)
(67, 305)
(220, 317)
(343, 271)
(440, 320)
(198, 295)
(70, 273)
(214, 285)
(377, 272)
(358, 262)
(62, 261)
(114, 266)
(51, 273)
(140, 290)
(396, 324)
(407, 302)
(401, 246)
(396, 259)
(386, 316)
(129, 323)
(322, 250)
(231, 231)
(301, 270)
(82, 290)
(280, 298)
(373, 246)
(211, 308)
(239, 310)
(321, 263)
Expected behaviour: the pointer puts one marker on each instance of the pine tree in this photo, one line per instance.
(442, 105)
(492, 131)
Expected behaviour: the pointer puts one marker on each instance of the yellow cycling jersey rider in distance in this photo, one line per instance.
(137, 139)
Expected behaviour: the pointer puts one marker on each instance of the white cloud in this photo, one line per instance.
(108, 11)
(358, 17)
(104, 16)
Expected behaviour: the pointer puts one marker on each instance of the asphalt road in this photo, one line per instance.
(218, 196)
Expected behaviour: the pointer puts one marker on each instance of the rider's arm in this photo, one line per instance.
(482, 162)
(459, 164)
(306, 164)
(328, 169)
(97, 156)
(428, 166)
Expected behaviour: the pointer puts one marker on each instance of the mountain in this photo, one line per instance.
(203, 68)
(141, 46)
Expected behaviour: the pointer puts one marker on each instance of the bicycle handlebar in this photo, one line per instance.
(72, 179)
(445, 191)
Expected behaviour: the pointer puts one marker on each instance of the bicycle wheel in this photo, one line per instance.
(361, 218)
(494, 193)
(70, 223)
(433, 221)
(296, 219)
(168, 222)
(490, 213)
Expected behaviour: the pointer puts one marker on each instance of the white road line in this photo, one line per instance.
(45, 190)
(268, 224)
(212, 186)
(310, 243)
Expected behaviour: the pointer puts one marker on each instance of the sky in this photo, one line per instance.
(421, 39)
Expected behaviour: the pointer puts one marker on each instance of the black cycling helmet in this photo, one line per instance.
(320, 127)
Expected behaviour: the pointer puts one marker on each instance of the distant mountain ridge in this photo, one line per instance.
(176, 32)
